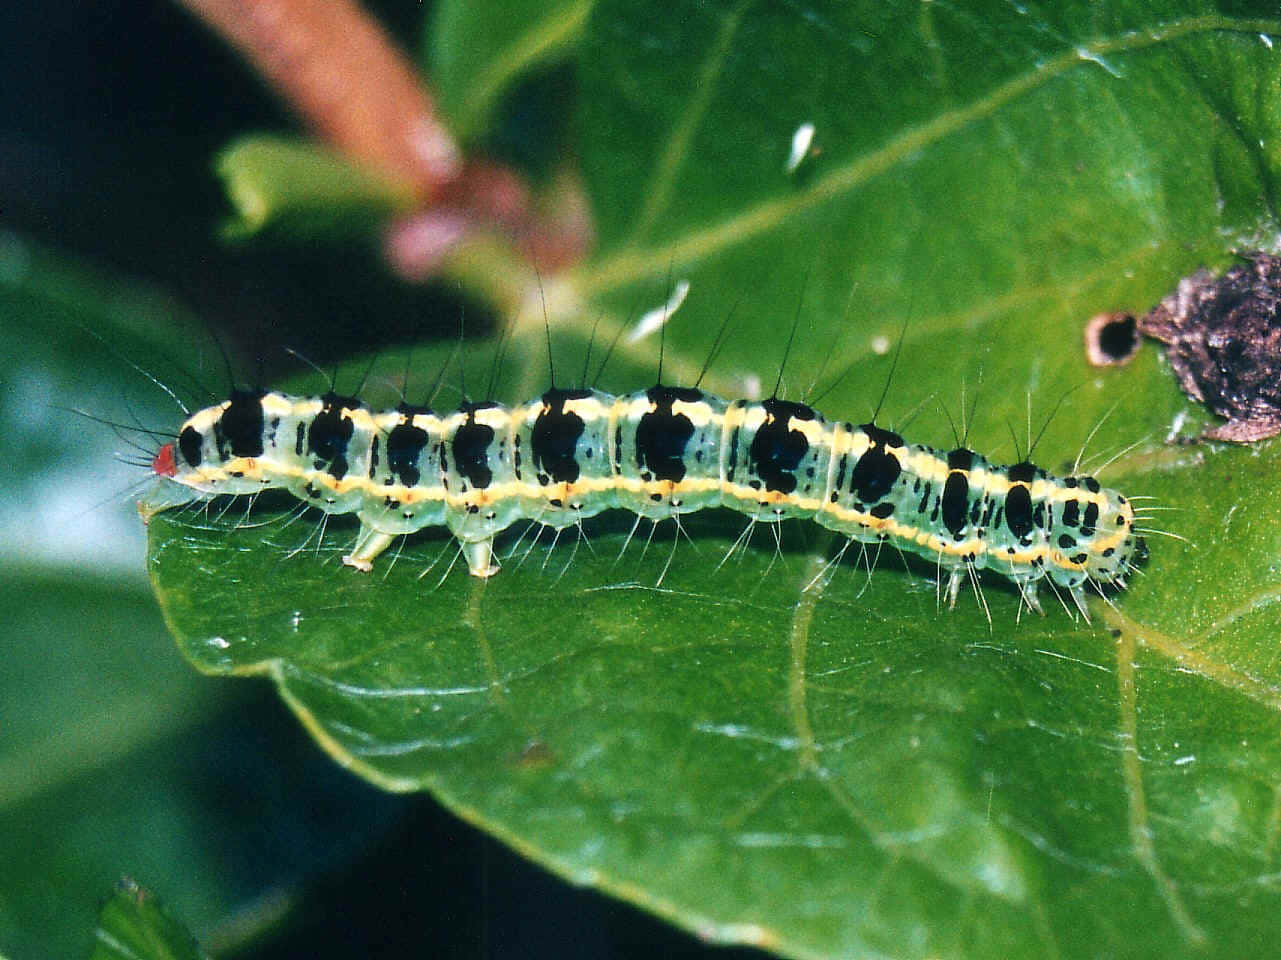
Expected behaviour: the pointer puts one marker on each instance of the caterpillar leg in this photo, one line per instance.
(1027, 588)
(954, 581)
(369, 543)
(480, 558)
(1078, 599)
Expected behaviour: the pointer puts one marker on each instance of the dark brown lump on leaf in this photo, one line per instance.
(1223, 337)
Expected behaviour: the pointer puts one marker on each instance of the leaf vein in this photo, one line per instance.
(629, 264)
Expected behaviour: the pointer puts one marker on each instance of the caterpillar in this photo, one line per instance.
(572, 453)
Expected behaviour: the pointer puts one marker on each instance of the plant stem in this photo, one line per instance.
(337, 68)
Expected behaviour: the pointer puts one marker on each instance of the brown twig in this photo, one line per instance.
(551, 232)
(337, 68)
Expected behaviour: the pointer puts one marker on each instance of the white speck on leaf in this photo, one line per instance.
(816, 841)
(801, 141)
(1085, 53)
(1176, 427)
(739, 731)
(655, 319)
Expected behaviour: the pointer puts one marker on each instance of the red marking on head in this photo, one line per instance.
(164, 464)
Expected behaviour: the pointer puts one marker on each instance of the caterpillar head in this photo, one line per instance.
(1118, 547)
(172, 462)
(179, 460)
(217, 447)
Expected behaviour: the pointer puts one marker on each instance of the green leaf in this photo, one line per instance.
(475, 51)
(134, 926)
(303, 190)
(831, 764)
(115, 756)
